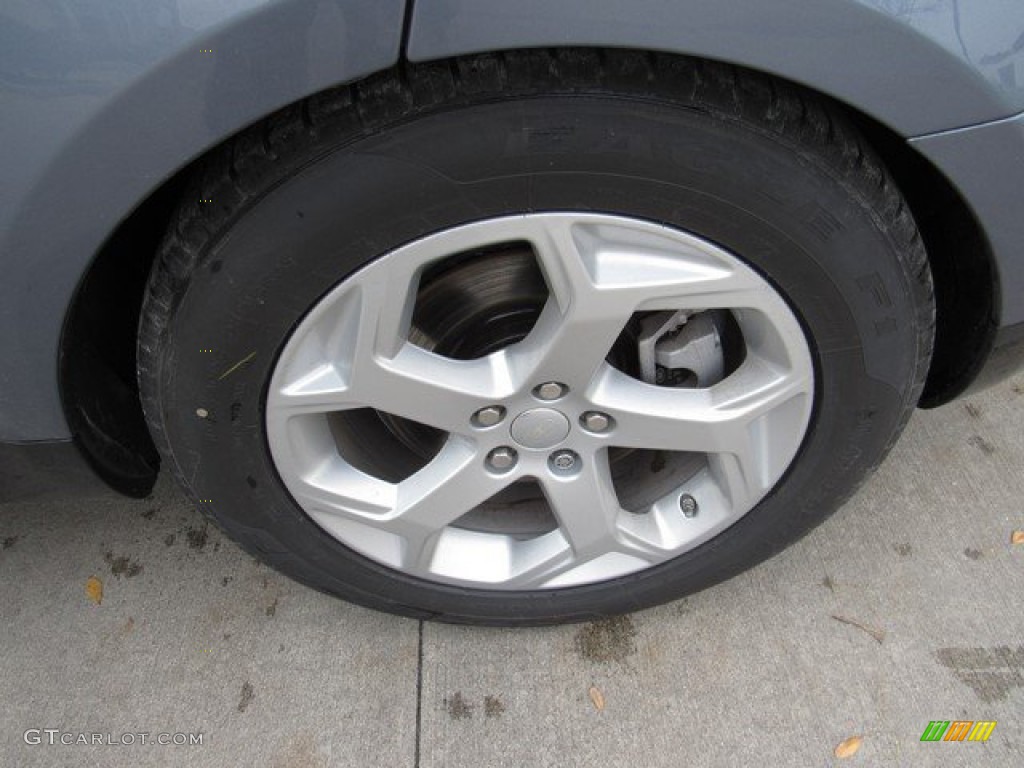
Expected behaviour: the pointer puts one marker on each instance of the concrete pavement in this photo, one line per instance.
(905, 607)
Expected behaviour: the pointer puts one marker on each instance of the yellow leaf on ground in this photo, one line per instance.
(597, 697)
(1017, 537)
(848, 747)
(94, 590)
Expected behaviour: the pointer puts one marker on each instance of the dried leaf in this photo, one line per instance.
(1017, 537)
(597, 698)
(94, 590)
(848, 747)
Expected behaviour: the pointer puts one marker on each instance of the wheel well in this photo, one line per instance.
(98, 384)
(97, 361)
(963, 268)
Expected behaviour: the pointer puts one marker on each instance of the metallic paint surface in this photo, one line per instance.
(918, 67)
(986, 163)
(102, 102)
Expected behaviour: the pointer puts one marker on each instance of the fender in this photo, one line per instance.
(986, 162)
(916, 67)
(103, 102)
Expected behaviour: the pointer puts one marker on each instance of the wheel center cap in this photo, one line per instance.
(540, 428)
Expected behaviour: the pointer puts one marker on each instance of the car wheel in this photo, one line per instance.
(535, 337)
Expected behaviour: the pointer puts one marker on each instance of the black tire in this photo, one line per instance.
(769, 172)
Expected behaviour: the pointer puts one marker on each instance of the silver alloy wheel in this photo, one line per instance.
(352, 351)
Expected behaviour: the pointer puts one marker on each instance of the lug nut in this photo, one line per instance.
(551, 390)
(563, 461)
(502, 458)
(688, 505)
(489, 416)
(595, 421)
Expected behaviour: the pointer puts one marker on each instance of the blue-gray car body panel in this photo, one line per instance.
(918, 67)
(986, 163)
(102, 102)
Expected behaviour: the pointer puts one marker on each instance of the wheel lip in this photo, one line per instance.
(533, 401)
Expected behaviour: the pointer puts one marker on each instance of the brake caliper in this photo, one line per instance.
(681, 349)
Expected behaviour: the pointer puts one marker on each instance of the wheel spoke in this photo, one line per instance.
(338, 489)
(579, 323)
(568, 348)
(587, 509)
(433, 390)
(321, 390)
(599, 275)
(622, 267)
(388, 298)
(733, 417)
(395, 376)
(415, 384)
(453, 483)
(341, 343)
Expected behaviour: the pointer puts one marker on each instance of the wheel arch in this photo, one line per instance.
(914, 69)
(108, 103)
(100, 395)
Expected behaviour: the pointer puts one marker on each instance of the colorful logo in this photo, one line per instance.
(958, 730)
